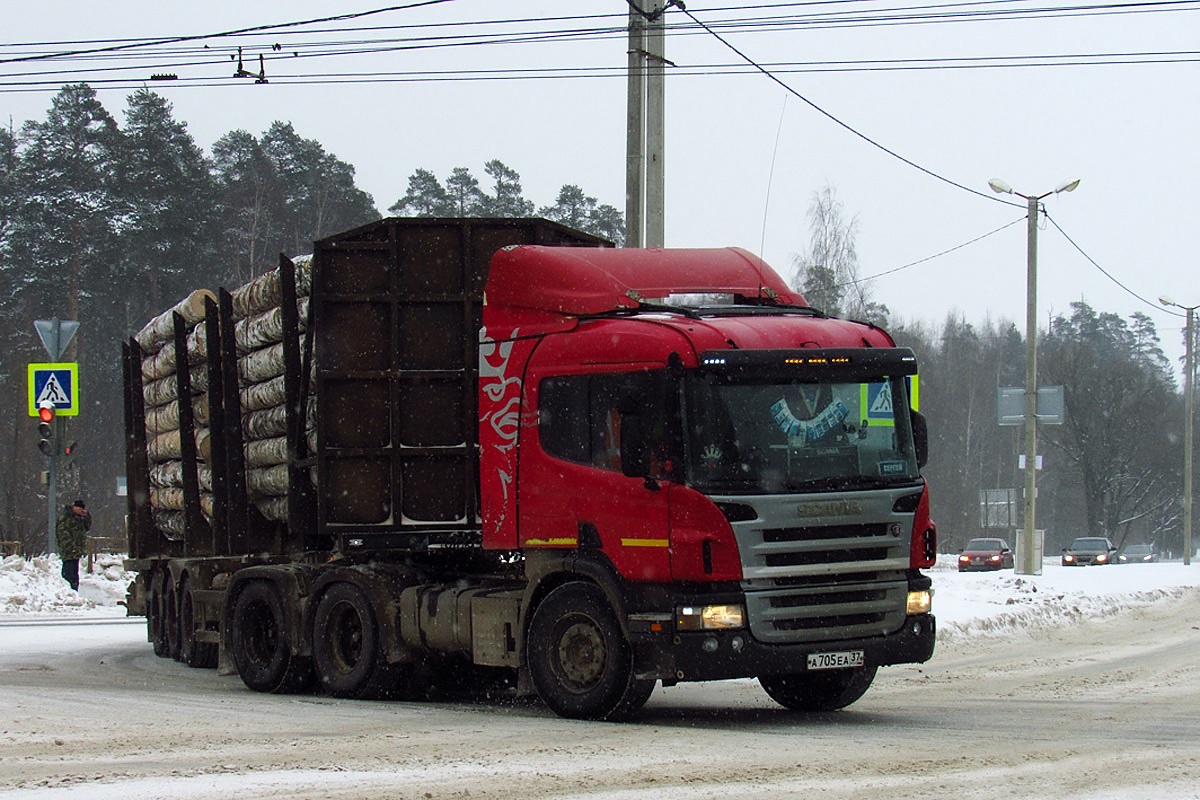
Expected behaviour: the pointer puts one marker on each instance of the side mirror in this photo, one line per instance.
(920, 431)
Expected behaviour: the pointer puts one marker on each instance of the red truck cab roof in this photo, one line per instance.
(580, 281)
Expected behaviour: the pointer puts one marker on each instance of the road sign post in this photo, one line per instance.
(54, 386)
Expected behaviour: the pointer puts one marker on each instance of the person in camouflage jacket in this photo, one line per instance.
(71, 531)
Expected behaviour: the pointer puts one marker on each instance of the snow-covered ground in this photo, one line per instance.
(972, 603)
(443, 750)
(36, 586)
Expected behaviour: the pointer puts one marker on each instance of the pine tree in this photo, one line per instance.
(506, 199)
(169, 233)
(426, 197)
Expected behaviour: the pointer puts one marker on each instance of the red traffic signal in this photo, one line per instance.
(45, 431)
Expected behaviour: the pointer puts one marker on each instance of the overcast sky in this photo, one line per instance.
(743, 156)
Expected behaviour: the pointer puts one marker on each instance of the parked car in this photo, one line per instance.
(985, 554)
(1138, 554)
(1089, 550)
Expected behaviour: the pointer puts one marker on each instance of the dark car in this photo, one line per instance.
(1138, 554)
(985, 554)
(1089, 550)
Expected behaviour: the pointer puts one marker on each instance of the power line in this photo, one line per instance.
(948, 251)
(259, 28)
(1105, 272)
(845, 125)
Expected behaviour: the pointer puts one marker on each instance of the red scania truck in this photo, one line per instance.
(501, 447)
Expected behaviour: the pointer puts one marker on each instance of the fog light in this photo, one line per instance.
(709, 645)
(709, 618)
(737, 643)
(920, 602)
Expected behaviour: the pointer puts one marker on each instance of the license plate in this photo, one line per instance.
(842, 660)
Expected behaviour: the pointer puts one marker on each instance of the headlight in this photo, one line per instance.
(964, 559)
(1068, 557)
(1102, 557)
(994, 558)
(920, 602)
(710, 618)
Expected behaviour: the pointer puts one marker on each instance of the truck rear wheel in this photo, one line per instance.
(346, 651)
(192, 652)
(170, 617)
(826, 690)
(261, 651)
(579, 660)
(156, 630)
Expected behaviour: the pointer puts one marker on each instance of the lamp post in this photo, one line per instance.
(1028, 565)
(1189, 384)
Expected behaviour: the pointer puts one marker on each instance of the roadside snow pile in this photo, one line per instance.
(36, 585)
(999, 603)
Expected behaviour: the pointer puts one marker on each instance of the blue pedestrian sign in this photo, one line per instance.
(56, 384)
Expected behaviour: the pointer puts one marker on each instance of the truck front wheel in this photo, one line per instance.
(579, 660)
(346, 651)
(258, 634)
(826, 690)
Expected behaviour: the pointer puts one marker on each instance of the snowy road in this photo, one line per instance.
(1097, 707)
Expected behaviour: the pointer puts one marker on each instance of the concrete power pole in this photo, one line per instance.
(645, 177)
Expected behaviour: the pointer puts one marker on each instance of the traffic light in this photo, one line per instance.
(46, 428)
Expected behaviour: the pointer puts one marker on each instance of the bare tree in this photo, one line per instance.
(827, 274)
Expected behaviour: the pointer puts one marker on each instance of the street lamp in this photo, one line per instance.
(1028, 565)
(1188, 394)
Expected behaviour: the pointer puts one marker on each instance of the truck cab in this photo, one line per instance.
(738, 473)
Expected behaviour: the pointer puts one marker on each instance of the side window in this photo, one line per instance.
(589, 419)
(563, 417)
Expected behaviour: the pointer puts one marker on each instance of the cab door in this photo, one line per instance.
(594, 478)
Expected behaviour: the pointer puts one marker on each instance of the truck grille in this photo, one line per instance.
(828, 578)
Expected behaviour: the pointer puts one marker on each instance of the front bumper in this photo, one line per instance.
(717, 655)
(663, 653)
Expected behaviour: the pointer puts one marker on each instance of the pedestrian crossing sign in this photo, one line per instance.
(57, 384)
(876, 402)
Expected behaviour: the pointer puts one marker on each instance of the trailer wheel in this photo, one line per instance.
(346, 649)
(156, 630)
(171, 619)
(579, 660)
(258, 638)
(819, 691)
(192, 652)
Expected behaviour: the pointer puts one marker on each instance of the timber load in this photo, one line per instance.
(173, 356)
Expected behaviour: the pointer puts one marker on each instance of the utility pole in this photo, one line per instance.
(645, 176)
(1189, 394)
(1029, 565)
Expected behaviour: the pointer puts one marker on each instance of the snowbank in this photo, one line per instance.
(36, 586)
(999, 603)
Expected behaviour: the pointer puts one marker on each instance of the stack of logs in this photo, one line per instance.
(258, 333)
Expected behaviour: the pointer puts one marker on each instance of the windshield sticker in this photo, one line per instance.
(809, 430)
(892, 468)
(711, 456)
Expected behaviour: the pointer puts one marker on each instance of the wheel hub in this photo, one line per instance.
(581, 654)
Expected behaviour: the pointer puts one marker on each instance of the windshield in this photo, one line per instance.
(1090, 545)
(985, 544)
(772, 435)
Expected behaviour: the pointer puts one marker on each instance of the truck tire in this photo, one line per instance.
(258, 638)
(170, 617)
(347, 654)
(156, 631)
(202, 655)
(827, 690)
(579, 660)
